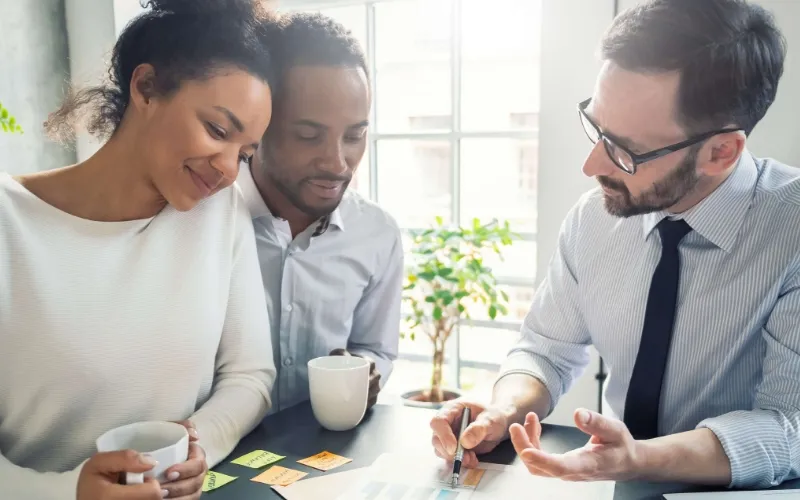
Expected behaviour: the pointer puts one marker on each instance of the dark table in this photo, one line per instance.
(297, 435)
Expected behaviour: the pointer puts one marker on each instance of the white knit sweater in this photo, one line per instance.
(107, 323)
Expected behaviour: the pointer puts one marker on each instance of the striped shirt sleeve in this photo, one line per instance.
(554, 346)
(763, 445)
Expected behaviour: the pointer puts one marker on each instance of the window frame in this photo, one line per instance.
(453, 137)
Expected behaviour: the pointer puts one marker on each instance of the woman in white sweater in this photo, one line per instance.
(129, 283)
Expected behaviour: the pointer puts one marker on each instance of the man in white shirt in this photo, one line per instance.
(331, 261)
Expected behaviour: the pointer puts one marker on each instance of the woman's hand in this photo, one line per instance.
(100, 477)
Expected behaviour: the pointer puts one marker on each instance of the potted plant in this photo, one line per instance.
(7, 122)
(446, 277)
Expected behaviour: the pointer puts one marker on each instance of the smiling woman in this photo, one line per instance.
(133, 276)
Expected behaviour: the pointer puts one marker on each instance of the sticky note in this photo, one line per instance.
(214, 480)
(325, 461)
(279, 476)
(473, 477)
(257, 459)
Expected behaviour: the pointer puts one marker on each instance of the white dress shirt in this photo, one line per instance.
(338, 284)
(734, 362)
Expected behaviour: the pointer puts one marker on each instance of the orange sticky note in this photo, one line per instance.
(279, 476)
(473, 477)
(325, 461)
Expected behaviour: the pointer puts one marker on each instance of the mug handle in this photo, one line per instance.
(134, 478)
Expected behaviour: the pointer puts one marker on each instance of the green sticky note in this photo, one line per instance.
(214, 480)
(258, 459)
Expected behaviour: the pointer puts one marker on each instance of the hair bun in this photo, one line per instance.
(234, 8)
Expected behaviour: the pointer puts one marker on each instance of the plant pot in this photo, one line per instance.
(415, 398)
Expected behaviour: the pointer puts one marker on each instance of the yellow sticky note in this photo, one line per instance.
(258, 459)
(214, 480)
(279, 476)
(325, 461)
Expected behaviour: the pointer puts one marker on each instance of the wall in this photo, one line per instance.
(91, 26)
(570, 34)
(776, 136)
(33, 55)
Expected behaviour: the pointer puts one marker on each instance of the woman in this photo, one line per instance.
(129, 283)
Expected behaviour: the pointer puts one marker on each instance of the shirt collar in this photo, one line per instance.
(258, 207)
(720, 216)
(252, 197)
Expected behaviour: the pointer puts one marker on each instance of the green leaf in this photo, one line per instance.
(504, 295)
(4, 114)
(445, 271)
(461, 294)
(413, 336)
(427, 276)
(492, 312)
(430, 299)
(439, 220)
(461, 308)
(437, 313)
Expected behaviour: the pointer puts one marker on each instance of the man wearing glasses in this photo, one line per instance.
(682, 269)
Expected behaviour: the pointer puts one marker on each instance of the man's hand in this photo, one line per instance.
(374, 376)
(488, 427)
(100, 476)
(186, 479)
(611, 453)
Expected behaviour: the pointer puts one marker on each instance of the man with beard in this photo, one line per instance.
(331, 261)
(682, 269)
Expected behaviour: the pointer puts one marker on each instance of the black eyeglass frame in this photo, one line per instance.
(638, 159)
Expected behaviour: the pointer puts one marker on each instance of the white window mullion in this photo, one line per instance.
(455, 154)
(373, 117)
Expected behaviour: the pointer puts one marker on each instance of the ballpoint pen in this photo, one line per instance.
(459, 449)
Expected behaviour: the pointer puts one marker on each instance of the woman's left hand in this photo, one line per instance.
(186, 479)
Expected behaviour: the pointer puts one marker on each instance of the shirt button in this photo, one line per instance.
(288, 362)
(288, 308)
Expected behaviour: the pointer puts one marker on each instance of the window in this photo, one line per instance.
(454, 134)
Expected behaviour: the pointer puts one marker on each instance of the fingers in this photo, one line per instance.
(149, 490)
(191, 429)
(561, 466)
(469, 460)
(533, 428)
(475, 433)
(602, 428)
(187, 478)
(194, 465)
(442, 427)
(339, 352)
(188, 488)
(520, 439)
(119, 461)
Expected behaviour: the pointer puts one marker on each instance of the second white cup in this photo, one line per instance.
(339, 386)
(166, 442)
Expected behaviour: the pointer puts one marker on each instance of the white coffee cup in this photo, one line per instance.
(165, 442)
(339, 386)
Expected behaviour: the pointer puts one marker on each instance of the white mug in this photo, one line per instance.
(165, 442)
(339, 386)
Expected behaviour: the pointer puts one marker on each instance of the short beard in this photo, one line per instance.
(292, 192)
(664, 194)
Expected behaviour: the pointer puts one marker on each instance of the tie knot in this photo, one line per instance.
(673, 231)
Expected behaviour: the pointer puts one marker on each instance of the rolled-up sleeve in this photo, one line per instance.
(763, 445)
(554, 344)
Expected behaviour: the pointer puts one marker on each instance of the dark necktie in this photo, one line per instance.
(644, 391)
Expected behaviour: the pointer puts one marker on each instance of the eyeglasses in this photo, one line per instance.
(624, 158)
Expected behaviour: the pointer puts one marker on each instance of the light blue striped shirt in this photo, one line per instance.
(734, 364)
